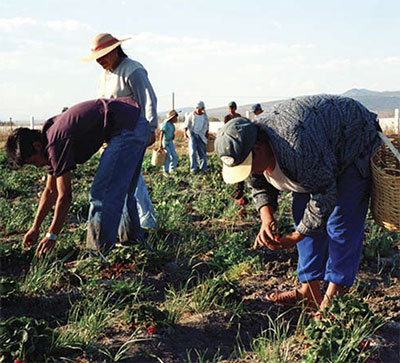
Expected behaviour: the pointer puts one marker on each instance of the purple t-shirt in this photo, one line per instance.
(73, 136)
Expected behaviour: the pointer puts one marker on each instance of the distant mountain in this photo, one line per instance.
(383, 103)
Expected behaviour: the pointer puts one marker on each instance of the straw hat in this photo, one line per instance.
(101, 45)
(171, 114)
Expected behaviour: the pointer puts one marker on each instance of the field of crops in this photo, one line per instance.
(193, 293)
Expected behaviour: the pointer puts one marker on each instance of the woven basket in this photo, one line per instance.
(210, 144)
(385, 166)
(158, 157)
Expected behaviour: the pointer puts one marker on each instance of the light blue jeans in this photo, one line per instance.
(171, 161)
(147, 214)
(113, 208)
(197, 148)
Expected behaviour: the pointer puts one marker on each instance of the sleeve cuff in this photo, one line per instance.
(305, 231)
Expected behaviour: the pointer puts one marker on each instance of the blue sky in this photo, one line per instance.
(216, 51)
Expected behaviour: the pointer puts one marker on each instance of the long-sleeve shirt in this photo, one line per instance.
(130, 79)
(314, 139)
(198, 124)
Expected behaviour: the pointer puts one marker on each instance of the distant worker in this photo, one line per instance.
(124, 77)
(196, 131)
(257, 109)
(232, 112)
(71, 138)
(167, 136)
(238, 195)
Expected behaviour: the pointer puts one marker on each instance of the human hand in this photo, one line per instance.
(152, 139)
(45, 246)
(31, 237)
(207, 134)
(287, 241)
(267, 233)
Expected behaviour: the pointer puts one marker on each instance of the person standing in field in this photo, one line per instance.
(232, 112)
(196, 131)
(238, 195)
(71, 138)
(124, 77)
(319, 148)
(166, 142)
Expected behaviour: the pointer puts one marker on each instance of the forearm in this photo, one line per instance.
(46, 203)
(267, 213)
(60, 214)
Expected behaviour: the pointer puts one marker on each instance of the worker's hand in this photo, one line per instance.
(287, 241)
(31, 237)
(267, 233)
(160, 149)
(152, 139)
(185, 136)
(45, 246)
(207, 134)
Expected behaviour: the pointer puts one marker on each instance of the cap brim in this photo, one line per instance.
(238, 173)
(102, 52)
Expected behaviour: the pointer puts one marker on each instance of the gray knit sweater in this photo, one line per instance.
(314, 139)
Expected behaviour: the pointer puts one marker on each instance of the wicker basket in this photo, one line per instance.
(385, 165)
(158, 157)
(210, 144)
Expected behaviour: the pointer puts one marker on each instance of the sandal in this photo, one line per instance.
(290, 298)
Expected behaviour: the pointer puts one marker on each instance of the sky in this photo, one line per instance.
(212, 50)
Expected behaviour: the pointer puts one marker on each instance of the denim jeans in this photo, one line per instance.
(197, 148)
(113, 208)
(147, 214)
(171, 160)
(335, 254)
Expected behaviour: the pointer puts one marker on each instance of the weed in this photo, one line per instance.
(338, 335)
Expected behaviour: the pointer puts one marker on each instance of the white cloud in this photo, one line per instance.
(66, 25)
(11, 24)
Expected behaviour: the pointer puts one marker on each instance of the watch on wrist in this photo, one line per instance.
(51, 236)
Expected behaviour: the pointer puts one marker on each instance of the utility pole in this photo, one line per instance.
(11, 123)
(32, 123)
(173, 100)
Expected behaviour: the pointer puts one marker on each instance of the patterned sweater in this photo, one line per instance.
(314, 139)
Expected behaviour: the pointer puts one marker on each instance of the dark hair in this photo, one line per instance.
(121, 53)
(19, 146)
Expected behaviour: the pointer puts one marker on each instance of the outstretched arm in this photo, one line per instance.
(63, 202)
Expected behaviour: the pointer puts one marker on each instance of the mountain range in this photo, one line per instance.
(383, 103)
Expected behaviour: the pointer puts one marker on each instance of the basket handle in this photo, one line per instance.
(389, 144)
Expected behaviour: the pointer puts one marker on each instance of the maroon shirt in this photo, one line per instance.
(73, 136)
(229, 117)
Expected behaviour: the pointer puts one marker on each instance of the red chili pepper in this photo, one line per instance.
(151, 330)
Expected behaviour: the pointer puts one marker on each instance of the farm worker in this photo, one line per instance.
(238, 195)
(317, 147)
(124, 77)
(167, 135)
(196, 131)
(232, 112)
(71, 138)
(257, 109)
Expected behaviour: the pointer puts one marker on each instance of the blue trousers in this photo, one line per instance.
(171, 160)
(335, 254)
(147, 214)
(197, 148)
(113, 208)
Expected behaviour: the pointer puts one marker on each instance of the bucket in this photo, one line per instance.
(158, 157)
(210, 144)
(385, 200)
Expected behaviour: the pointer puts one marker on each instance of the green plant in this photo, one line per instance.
(147, 315)
(87, 320)
(8, 287)
(338, 334)
(26, 338)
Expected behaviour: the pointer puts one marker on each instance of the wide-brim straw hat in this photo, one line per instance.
(101, 45)
(171, 114)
